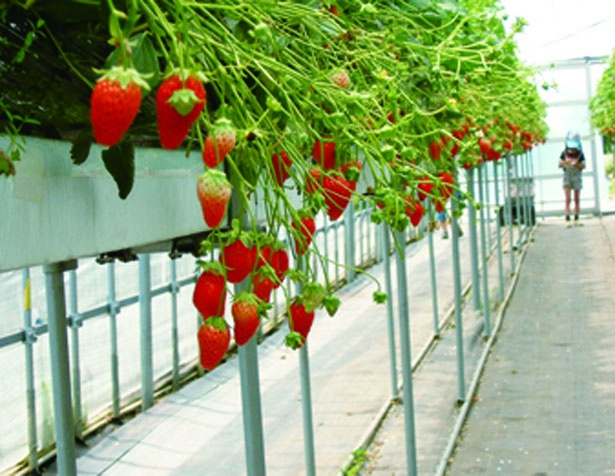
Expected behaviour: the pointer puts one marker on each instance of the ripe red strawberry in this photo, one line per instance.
(337, 191)
(209, 296)
(281, 165)
(425, 187)
(324, 154)
(455, 150)
(220, 141)
(214, 192)
(341, 78)
(435, 149)
(238, 259)
(114, 104)
(484, 145)
(300, 321)
(245, 317)
(414, 210)
(178, 105)
(214, 339)
(306, 228)
(446, 188)
(313, 180)
(280, 263)
(262, 286)
(508, 145)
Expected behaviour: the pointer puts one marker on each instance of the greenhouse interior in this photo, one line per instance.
(307, 237)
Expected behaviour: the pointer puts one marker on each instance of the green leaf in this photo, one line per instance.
(119, 161)
(145, 59)
(80, 148)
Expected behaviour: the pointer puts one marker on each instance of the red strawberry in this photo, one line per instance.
(455, 150)
(300, 321)
(238, 260)
(414, 210)
(306, 227)
(337, 191)
(324, 154)
(313, 180)
(263, 256)
(178, 105)
(425, 187)
(214, 339)
(446, 188)
(280, 263)
(484, 145)
(435, 149)
(214, 192)
(281, 165)
(245, 317)
(341, 78)
(220, 141)
(209, 296)
(262, 286)
(114, 104)
(508, 145)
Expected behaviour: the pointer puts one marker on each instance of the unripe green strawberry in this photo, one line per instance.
(341, 78)
(219, 143)
(178, 105)
(114, 104)
(214, 192)
(214, 339)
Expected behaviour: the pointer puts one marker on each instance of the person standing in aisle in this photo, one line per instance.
(572, 162)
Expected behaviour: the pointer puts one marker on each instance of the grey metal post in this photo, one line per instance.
(487, 205)
(29, 354)
(434, 282)
(461, 385)
(306, 398)
(519, 211)
(349, 246)
(60, 366)
(509, 215)
(75, 325)
(498, 231)
(473, 240)
(115, 360)
(592, 143)
(386, 256)
(406, 354)
(174, 322)
(306, 406)
(485, 253)
(145, 305)
(251, 406)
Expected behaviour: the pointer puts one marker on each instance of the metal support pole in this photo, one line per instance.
(485, 253)
(306, 406)
(29, 354)
(306, 398)
(461, 385)
(517, 203)
(60, 366)
(487, 204)
(386, 253)
(434, 282)
(145, 304)
(498, 231)
(406, 354)
(349, 234)
(115, 360)
(174, 322)
(75, 325)
(251, 405)
(473, 240)
(509, 215)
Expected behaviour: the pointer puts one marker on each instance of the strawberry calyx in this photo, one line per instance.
(210, 267)
(217, 322)
(124, 76)
(312, 296)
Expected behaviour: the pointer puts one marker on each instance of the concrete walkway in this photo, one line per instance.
(546, 404)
